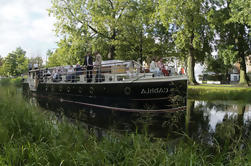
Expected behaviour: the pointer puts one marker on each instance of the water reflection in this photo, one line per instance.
(204, 121)
(92, 118)
(218, 120)
(217, 112)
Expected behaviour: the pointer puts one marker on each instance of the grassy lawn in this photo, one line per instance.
(219, 92)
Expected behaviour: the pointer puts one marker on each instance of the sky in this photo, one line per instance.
(26, 24)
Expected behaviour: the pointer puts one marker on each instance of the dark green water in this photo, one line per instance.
(202, 121)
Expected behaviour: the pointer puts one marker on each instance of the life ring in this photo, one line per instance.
(127, 90)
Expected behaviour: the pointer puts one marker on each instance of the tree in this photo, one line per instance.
(15, 63)
(69, 51)
(49, 53)
(124, 29)
(98, 19)
(142, 35)
(1, 66)
(233, 43)
(240, 15)
(1, 61)
(54, 59)
(192, 34)
(36, 60)
(240, 12)
(217, 65)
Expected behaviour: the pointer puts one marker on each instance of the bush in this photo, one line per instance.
(17, 81)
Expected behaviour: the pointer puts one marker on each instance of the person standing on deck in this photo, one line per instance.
(89, 66)
(162, 68)
(97, 63)
(154, 68)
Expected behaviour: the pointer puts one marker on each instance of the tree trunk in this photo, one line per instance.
(112, 47)
(241, 49)
(191, 62)
(111, 52)
(141, 48)
(243, 73)
(191, 76)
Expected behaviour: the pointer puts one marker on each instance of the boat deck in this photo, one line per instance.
(108, 73)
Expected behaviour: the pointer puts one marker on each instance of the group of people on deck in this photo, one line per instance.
(158, 67)
(88, 63)
(72, 72)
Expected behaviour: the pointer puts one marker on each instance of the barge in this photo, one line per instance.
(120, 85)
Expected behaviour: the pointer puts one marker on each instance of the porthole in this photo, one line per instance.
(80, 90)
(60, 89)
(68, 89)
(127, 91)
(52, 88)
(91, 90)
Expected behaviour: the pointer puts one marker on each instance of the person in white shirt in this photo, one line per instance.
(70, 74)
(154, 68)
(98, 63)
(70, 70)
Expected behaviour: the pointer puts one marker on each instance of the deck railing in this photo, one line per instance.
(108, 72)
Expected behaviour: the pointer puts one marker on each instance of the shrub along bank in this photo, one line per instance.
(17, 81)
(30, 136)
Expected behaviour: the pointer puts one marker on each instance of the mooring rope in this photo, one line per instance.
(126, 109)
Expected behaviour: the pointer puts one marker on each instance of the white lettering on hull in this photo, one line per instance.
(154, 91)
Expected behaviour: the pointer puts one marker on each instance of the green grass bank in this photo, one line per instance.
(31, 136)
(11, 81)
(219, 92)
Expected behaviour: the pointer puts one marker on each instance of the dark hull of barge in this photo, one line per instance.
(152, 95)
(140, 95)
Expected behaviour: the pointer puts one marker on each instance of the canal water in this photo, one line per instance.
(202, 121)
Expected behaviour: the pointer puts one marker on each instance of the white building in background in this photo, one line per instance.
(234, 77)
(248, 64)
